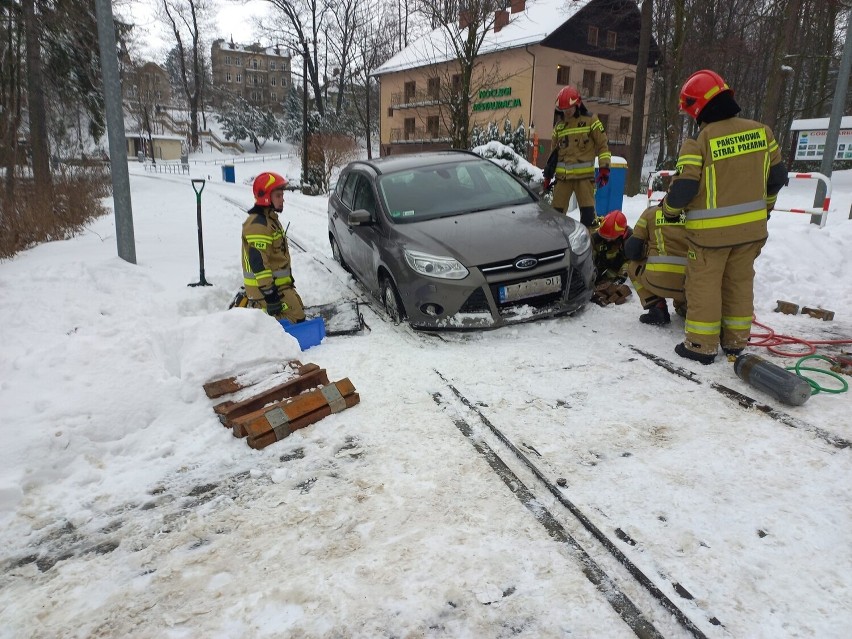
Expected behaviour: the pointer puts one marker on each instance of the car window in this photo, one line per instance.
(364, 198)
(449, 189)
(349, 190)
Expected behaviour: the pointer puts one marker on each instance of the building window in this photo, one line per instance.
(433, 126)
(273, 97)
(624, 125)
(272, 80)
(593, 36)
(588, 83)
(228, 60)
(457, 83)
(254, 80)
(563, 74)
(390, 112)
(604, 118)
(254, 64)
(611, 37)
(409, 128)
(606, 85)
(283, 81)
(239, 78)
(434, 88)
(238, 61)
(409, 89)
(227, 77)
(628, 87)
(272, 65)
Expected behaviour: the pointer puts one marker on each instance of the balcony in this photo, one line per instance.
(419, 134)
(605, 94)
(420, 97)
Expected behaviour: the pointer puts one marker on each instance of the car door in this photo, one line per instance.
(340, 204)
(365, 239)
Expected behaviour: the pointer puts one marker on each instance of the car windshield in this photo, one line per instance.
(449, 189)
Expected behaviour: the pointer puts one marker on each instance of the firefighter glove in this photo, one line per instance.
(274, 309)
(603, 177)
(547, 185)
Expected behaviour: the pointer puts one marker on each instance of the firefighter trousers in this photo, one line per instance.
(651, 292)
(720, 294)
(584, 189)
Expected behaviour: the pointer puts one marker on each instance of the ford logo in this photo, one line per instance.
(526, 262)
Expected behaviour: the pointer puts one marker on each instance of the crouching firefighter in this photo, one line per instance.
(657, 267)
(267, 276)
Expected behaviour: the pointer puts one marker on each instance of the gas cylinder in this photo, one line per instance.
(783, 385)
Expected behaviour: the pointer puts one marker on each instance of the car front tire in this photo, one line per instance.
(392, 302)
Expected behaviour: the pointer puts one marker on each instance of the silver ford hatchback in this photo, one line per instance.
(451, 240)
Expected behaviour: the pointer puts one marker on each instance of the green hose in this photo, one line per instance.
(815, 387)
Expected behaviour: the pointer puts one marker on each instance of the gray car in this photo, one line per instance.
(451, 240)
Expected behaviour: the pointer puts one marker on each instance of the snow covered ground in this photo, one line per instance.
(127, 510)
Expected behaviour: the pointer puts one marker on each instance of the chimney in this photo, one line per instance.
(501, 19)
(464, 19)
(518, 6)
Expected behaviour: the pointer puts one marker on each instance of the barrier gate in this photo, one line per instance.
(822, 213)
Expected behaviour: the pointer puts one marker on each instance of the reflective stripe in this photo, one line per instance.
(703, 328)
(731, 220)
(737, 323)
(691, 160)
(574, 167)
(724, 211)
(667, 259)
(561, 133)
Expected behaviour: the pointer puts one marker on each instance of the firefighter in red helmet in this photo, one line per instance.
(578, 137)
(729, 176)
(609, 234)
(267, 277)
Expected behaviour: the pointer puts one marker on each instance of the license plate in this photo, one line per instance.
(530, 288)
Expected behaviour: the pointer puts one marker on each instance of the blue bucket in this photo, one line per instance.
(308, 333)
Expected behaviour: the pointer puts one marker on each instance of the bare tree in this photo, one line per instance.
(37, 114)
(188, 20)
(637, 135)
(454, 56)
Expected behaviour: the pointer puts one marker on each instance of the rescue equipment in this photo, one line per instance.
(781, 384)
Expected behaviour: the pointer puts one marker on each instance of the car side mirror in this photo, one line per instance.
(359, 216)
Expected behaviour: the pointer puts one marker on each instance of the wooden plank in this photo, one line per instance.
(218, 387)
(269, 437)
(310, 376)
(260, 422)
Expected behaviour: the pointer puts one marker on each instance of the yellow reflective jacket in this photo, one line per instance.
(578, 141)
(665, 248)
(731, 160)
(266, 255)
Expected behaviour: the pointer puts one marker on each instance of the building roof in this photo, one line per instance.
(250, 48)
(818, 124)
(539, 19)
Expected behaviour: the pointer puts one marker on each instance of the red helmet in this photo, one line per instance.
(264, 185)
(568, 98)
(699, 88)
(613, 226)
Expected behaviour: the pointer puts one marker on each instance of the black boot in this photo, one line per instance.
(658, 314)
(682, 350)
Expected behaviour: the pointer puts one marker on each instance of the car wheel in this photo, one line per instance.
(337, 255)
(390, 299)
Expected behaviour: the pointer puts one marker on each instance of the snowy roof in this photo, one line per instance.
(250, 48)
(819, 123)
(539, 19)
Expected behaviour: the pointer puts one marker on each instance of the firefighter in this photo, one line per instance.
(729, 176)
(657, 266)
(267, 276)
(578, 137)
(609, 234)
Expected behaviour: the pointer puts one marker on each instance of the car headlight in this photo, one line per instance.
(579, 239)
(435, 266)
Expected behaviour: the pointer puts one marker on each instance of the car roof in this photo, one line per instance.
(404, 162)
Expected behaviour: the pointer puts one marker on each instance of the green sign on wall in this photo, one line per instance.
(493, 105)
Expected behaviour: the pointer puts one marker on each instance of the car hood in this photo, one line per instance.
(490, 236)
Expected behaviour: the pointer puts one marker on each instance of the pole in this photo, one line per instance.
(837, 104)
(115, 133)
(198, 187)
(305, 117)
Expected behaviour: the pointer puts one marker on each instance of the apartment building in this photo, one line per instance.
(147, 83)
(534, 49)
(259, 74)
